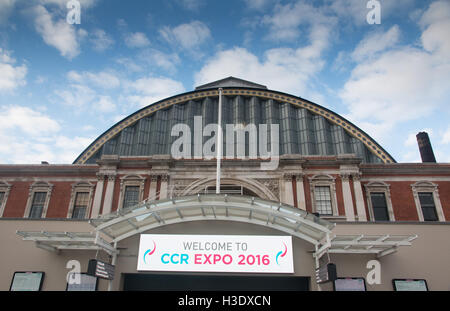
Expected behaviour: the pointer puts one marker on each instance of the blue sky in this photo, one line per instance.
(63, 85)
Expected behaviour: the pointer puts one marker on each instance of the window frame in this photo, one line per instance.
(4, 188)
(80, 187)
(38, 186)
(373, 207)
(133, 181)
(330, 200)
(377, 187)
(324, 181)
(427, 187)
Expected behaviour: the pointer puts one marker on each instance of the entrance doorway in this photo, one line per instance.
(186, 282)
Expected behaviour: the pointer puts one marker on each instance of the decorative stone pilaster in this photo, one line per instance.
(98, 196)
(153, 185)
(301, 201)
(164, 186)
(347, 195)
(360, 208)
(287, 195)
(109, 192)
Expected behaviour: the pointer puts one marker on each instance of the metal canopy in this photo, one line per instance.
(149, 215)
(380, 245)
(57, 241)
(153, 214)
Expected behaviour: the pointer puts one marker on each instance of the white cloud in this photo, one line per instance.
(188, 36)
(403, 83)
(258, 4)
(146, 91)
(446, 137)
(284, 69)
(129, 64)
(376, 42)
(23, 119)
(105, 104)
(11, 77)
(6, 7)
(192, 5)
(167, 61)
(63, 3)
(102, 79)
(436, 24)
(284, 24)
(136, 40)
(66, 149)
(58, 34)
(56, 149)
(79, 96)
(101, 40)
(85, 91)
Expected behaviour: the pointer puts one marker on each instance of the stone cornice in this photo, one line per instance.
(438, 169)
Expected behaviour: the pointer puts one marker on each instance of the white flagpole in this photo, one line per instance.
(219, 142)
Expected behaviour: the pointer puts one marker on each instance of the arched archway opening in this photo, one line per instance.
(247, 186)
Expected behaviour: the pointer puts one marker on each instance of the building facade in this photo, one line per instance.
(329, 172)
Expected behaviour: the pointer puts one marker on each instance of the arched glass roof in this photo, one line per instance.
(305, 128)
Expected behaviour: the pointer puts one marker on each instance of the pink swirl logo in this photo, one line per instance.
(149, 252)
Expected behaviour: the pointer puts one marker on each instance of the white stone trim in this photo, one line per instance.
(427, 186)
(5, 188)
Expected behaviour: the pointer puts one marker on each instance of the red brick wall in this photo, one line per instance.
(339, 196)
(59, 200)
(105, 183)
(17, 200)
(146, 187)
(403, 200)
(116, 194)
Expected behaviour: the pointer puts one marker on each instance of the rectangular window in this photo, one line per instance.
(379, 206)
(428, 207)
(37, 206)
(131, 196)
(323, 200)
(81, 205)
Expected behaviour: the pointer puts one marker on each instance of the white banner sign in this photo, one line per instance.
(215, 253)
